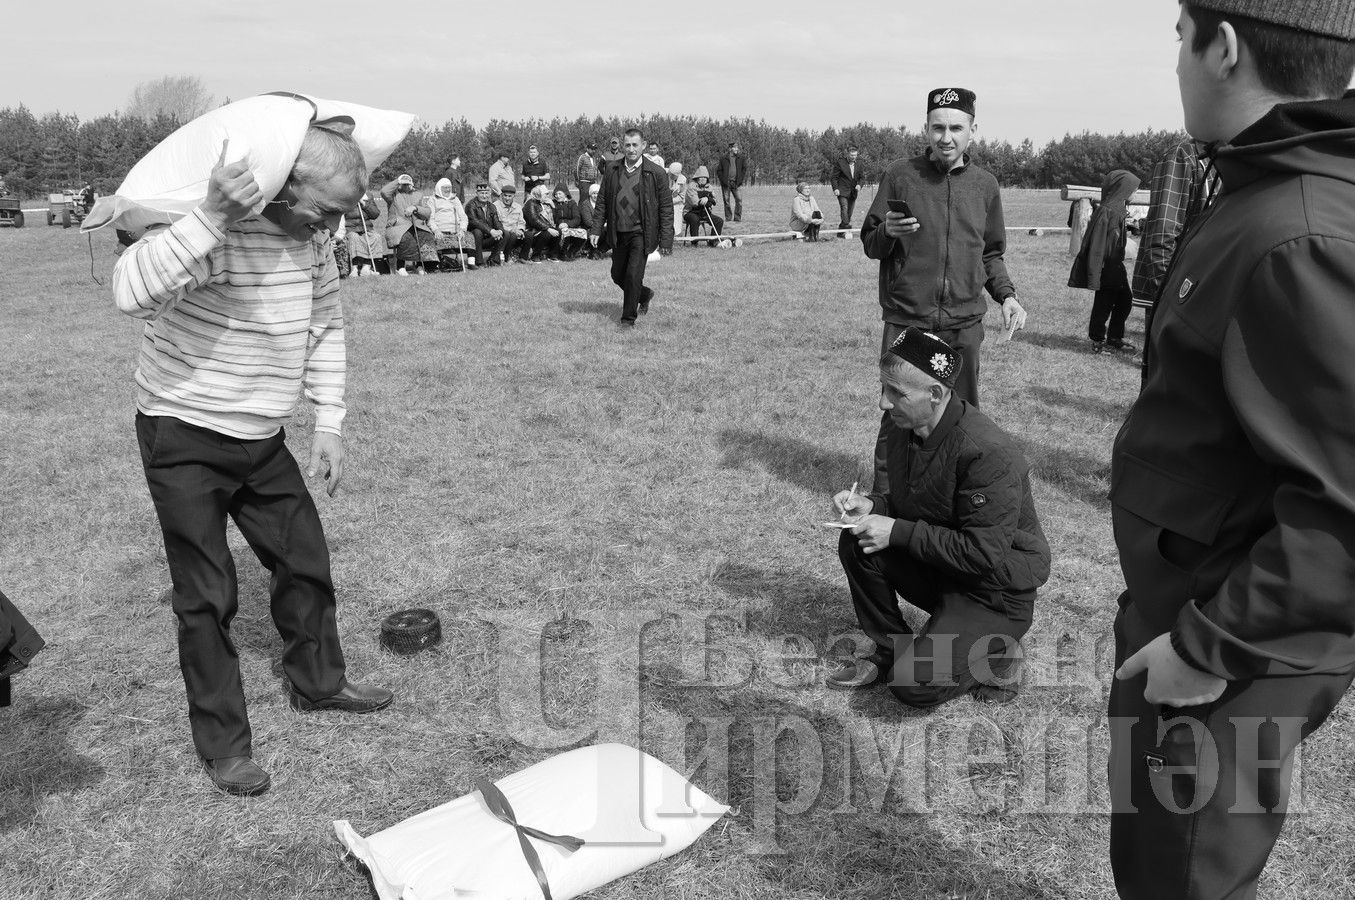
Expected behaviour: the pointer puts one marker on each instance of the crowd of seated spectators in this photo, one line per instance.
(400, 229)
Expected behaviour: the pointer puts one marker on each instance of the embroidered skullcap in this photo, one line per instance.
(952, 98)
(929, 353)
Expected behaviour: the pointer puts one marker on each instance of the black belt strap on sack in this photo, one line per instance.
(498, 805)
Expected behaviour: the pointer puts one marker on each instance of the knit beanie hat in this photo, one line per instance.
(1331, 18)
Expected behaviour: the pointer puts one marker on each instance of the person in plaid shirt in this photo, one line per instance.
(1180, 189)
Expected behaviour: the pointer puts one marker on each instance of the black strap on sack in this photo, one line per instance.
(503, 811)
(342, 124)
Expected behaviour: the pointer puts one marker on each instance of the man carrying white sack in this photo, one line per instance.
(243, 315)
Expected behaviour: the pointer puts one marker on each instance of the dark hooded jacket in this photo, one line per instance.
(1103, 245)
(1233, 478)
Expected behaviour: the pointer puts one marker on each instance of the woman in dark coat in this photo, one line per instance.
(1099, 265)
(569, 222)
(541, 230)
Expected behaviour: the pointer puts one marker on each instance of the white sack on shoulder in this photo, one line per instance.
(266, 131)
(630, 809)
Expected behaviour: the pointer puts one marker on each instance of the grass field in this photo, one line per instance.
(571, 499)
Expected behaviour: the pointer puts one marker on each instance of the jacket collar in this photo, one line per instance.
(964, 164)
(955, 410)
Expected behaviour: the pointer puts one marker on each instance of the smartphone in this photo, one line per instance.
(900, 206)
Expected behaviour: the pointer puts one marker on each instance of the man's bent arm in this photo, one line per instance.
(326, 355)
(155, 272)
(878, 244)
(1286, 365)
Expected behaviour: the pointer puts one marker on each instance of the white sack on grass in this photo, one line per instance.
(630, 809)
(266, 131)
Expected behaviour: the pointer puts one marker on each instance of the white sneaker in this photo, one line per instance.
(404, 273)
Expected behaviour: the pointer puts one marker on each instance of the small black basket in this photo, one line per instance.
(410, 631)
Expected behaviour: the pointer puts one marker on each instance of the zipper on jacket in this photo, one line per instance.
(945, 265)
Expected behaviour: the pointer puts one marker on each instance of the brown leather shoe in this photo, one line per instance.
(238, 775)
(356, 698)
(861, 673)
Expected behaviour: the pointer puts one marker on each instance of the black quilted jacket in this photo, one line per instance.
(963, 504)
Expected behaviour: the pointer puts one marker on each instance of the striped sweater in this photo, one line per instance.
(238, 324)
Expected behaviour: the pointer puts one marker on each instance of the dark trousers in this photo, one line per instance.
(628, 272)
(1111, 304)
(583, 191)
(197, 478)
(846, 205)
(966, 342)
(696, 218)
(476, 239)
(1199, 794)
(732, 190)
(534, 243)
(507, 244)
(407, 250)
(571, 247)
(970, 638)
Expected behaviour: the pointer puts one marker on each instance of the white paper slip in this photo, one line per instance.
(839, 524)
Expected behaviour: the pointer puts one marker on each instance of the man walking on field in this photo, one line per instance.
(938, 258)
(243, 316)
(634, 217)
(1233, 478)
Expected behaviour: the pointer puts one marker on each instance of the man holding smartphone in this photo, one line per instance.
(936, 227)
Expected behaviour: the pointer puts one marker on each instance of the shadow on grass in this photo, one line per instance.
(1071, 344)
(789, 604)
(791, 459)
(1085, 477)
(1094, 407)
(815, 822)
(596, 307)
(36, 756)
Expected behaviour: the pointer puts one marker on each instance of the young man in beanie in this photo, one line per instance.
(937, 260)
(633, 218)
(956, 535)
(1233, 478)
(732, 170)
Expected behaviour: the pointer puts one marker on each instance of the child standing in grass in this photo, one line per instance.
(1099, 265)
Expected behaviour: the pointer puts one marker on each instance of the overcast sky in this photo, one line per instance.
(1041, 68)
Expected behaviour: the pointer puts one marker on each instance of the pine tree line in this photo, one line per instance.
(58, 151)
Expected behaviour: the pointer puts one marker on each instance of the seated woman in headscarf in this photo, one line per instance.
(805, 215)
(588, 214)
(366, 238)
(407, 229)
(541, 230)
(569, 222)
(447, 218)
